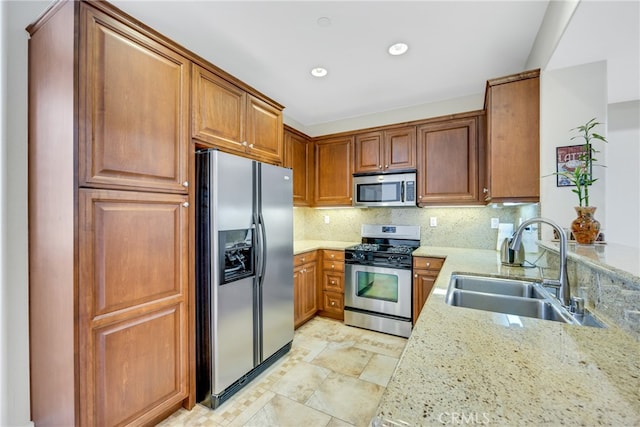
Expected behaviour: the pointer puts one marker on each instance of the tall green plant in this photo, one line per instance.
(582, 175)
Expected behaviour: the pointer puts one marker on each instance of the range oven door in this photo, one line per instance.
(378, 289)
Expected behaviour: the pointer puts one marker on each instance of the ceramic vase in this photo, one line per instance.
(585, 227)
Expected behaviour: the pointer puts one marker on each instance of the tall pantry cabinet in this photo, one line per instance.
(109, 156)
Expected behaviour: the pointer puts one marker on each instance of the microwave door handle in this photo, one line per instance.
(402, 191)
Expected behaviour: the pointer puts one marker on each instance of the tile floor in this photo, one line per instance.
(333, 376)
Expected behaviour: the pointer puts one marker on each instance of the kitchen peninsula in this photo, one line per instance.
(462, 364)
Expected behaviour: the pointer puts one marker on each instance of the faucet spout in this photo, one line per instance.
(563, 279)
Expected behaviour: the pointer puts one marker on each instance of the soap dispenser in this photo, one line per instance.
(510, 257)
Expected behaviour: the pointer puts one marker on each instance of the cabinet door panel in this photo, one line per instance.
(448, 154)
(333, 176)
(299, 157)
(139, 365)
(134, 96)
(218, 111)
(134, 246)
(400, 148)
(368, 152)
(264, 131)
(514, 168)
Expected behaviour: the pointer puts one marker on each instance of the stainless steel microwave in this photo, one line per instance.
(396, 189)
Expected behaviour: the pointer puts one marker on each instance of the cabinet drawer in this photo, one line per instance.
(304, 258)
(329, 255)
(332, 282)
(333, 265)
(423, 263)
(333, 302)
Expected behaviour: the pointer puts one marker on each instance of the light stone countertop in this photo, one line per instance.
(301, 246)
(463, 366)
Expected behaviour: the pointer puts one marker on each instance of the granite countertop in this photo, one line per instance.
(301, 246)
(465, 366)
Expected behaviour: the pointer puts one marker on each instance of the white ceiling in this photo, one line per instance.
(455, 46)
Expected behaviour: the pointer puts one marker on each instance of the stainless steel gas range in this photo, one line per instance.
(378, 279)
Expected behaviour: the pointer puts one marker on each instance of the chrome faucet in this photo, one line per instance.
(563, 279)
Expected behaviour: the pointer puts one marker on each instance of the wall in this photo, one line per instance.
(15, 290)
(4, 324)
(416, 112)
(623, 183)
(570, 97)
(467, 227)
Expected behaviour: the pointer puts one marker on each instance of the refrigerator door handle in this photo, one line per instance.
(262, 256)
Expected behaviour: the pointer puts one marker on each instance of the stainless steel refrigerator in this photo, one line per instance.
(244, 271)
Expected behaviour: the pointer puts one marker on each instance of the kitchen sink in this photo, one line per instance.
(496, 285)
(518, 306)
(512, 296)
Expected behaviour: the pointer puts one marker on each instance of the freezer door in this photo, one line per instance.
(232, 333)
(276, 284)
(233, 201)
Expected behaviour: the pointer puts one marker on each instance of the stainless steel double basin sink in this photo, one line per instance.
(512, 296)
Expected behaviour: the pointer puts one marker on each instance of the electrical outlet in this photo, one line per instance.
(495, 222)
(433, 221)
(327, 220)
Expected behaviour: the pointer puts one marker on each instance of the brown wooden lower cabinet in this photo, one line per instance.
(305, 278)
(331, 292)
(425, 273)
(133, 338)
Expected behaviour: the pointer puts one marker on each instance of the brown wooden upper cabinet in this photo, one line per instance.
(333, 171)
(512, 106)
(298, 155)
(385, 151)
(131, 135)
(227, 117)
(448, 162)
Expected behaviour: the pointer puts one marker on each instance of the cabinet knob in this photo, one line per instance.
(332, 256)
(244, 143)
(250, 145)
(419, 197)
(303, 258)
(485, 190)
(379, 166)
(333, 303)
(415, 275)
(386, 166)
(428, 264)
(333, 282)
(333, 266)
(185, 204)
(185, 184)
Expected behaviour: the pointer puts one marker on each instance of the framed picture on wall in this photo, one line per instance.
(567, 160)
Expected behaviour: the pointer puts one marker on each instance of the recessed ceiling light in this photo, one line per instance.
(318, 72)
(324, 21)
(398, 49)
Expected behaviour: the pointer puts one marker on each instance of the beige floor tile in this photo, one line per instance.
(301, 381)
(284, 412)
(321, 370)
(347, 398)
(336, 422)
(343, 358)
(379, 369)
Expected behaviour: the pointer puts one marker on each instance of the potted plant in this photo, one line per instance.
(585, 227)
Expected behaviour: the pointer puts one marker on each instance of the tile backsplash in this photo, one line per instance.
(462, 227)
